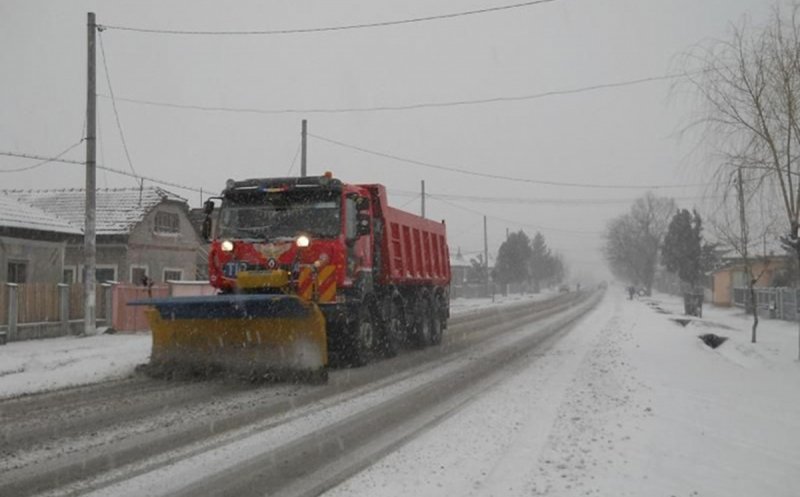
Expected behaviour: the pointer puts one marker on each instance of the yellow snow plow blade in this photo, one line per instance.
(275, 336)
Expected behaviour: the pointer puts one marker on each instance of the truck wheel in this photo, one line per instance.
(421, 335)
(436, 325)
(392, 332)
(362, 337)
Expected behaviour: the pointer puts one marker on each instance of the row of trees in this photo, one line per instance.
(522, 260)
(655, 231)
(747, 90)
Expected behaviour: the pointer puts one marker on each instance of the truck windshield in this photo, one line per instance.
(281, 215)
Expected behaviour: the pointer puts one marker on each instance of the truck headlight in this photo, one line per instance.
(303, 241)
(226, 246)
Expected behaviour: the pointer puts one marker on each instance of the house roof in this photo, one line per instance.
(15, 214)
(772, 248)
(118, 209)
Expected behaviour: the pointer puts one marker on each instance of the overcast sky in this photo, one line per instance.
(620, 136)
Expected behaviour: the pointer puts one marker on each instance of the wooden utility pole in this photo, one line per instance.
(303, 155)
(486, 254)
(89, 234)
(423, 199)
(744, 235)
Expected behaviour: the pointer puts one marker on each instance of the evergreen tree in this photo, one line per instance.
(541, 262)
(513, 258)
(683, 250)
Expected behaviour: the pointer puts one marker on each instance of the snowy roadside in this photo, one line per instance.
(41, 365)
(629, 403)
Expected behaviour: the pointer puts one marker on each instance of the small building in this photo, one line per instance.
(766, 268)
(140, 232)
(32, 243)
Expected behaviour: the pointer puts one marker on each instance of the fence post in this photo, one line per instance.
(13, 310)
(108, 306)
(63, 307)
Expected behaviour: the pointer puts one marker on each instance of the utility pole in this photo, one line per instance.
(744, 234)
(423, 198)
(303, 155)
(486, 254)
(89, 234)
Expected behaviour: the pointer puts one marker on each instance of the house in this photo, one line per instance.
(32, 243)
(140, 232)
(768, 269)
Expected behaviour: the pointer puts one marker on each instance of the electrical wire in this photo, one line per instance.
(578, 202)
(104, 168)
(323, 29)
(299, 147)
(114, 104)
(517, 223)
(413, 199)
(499, 176)
(412, 106)
(44, 160)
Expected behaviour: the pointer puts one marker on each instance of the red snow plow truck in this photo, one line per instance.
(307, 268)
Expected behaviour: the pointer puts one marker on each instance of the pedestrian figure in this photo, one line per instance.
(147, 282)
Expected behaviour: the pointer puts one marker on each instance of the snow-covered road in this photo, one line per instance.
(629, 403)
(141, 433)
(45, 365)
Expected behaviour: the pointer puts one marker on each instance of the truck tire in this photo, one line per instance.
(362, 337)
(436, 323)
(421, 332)
(392, 331)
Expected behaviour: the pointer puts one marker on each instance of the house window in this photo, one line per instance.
(68, 275)
(103, 274)
(17, 272)
(138, 274)
(167, 222)
(173, 275)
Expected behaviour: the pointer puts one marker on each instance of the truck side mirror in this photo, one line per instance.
(208, 208)
(205, 232)
(362, 224)
(362, 204)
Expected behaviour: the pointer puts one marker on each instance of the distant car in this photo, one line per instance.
(563, 289)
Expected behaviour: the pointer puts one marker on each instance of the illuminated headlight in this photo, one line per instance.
(226, 246)
(303, 241)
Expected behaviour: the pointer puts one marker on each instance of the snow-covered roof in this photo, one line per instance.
(15, 214)
(772, 248)
(118, 209)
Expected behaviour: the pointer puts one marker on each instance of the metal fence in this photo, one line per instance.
(778, 303)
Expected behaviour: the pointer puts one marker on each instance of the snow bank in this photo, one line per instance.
(40, 365)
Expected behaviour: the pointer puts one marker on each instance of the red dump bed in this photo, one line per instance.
(413, 249)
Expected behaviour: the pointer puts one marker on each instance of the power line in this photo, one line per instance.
(44, 160)
(517, 223)
(330, 28)
(413, 199)
(114, 104)
(412, 106)
(299, 147)
(499, 176)
(105, 168)
(578, 202)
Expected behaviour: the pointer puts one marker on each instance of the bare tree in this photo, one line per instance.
(633, 240)
(747, 233)
(749, 92)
